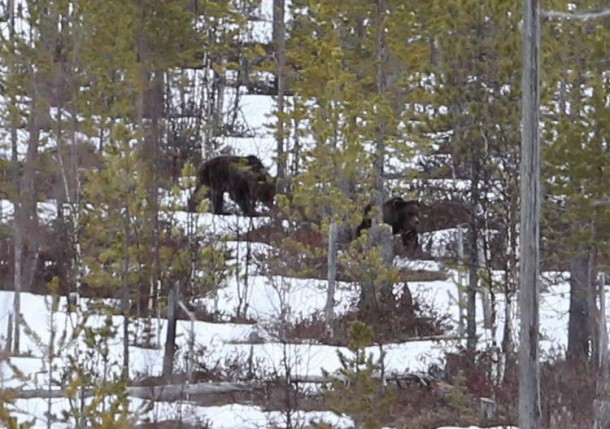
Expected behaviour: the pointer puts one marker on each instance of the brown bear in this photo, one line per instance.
(245, 178)
(401, 215)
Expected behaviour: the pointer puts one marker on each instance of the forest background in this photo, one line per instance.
(108, 110)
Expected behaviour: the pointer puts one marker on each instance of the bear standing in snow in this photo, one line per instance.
(245, 178)
(401, 215)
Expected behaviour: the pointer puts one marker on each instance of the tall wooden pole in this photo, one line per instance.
(529, 367)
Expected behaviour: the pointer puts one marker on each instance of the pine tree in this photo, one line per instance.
(475, 93)
(356, 392)
(353, 70)
(577, 156)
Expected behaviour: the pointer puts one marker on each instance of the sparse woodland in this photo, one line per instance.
(107, 109)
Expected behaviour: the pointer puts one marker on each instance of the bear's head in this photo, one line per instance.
(404, 215)
(265, 190)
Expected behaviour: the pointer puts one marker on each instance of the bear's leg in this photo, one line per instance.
(217, 201)
(243, 198)
(410, 240)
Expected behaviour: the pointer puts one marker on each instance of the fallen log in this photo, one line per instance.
(420, 378)
(176, 392)
(170, 392)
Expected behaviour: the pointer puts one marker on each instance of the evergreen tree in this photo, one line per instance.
(576, 157)
(29, 78)
(474, 94)
(356, 392)
(353, 72)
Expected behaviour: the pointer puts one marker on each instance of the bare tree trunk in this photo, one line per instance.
(594, 311)
(602, 359)
(578, 325)
(378, 234)
(473, 282)
(25, 212)
(170, 340)
(279, 39)
(17, 231)
(601, 406)
(510, 287)
(74, 202)
(461, 280)
(125, 292)
(207, 106)
(332, 275)
(152, 145)
(529, 366)
(382, 237)
(17, 276)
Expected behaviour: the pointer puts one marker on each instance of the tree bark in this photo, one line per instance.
(279, 40)
(578, 324)
(170, 340)
(332, 275)
(382, 237)
(473, 280)
(529, 367)
(25, 211)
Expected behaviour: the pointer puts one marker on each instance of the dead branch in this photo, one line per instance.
(585, 16)
(170, 392)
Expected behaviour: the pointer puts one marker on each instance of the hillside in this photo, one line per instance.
(379, 288)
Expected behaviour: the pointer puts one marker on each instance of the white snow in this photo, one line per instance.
(268, 299)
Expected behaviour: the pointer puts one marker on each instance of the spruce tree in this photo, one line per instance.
(474, 93)
(353, 74)
(576, 158)
(357, 390)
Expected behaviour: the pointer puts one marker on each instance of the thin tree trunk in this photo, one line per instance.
(601, 406)
(332, 275)
(529, 366)
(125, 292)
(170, 340)
(155, 137)
(25, 212)
(17, 231)
(279, 39)
(578, 323)
(17, 274)
(473, 283)
(384, 239)
(368, 293)
(592, 308)
(510, 287)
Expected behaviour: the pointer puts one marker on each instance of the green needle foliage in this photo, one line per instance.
(353, 72)
(576, 132)
(357, 392)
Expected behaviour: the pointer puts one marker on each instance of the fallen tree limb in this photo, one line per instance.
(170, 392)
(320, 379)
(176, 392)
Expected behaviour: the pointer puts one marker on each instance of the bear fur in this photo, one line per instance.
(401, 215)
(245, 178)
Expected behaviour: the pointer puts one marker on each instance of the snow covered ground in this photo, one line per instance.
(226, 341)
(217, 342)
(267, 298)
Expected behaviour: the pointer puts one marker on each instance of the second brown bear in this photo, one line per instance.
(401, 215)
